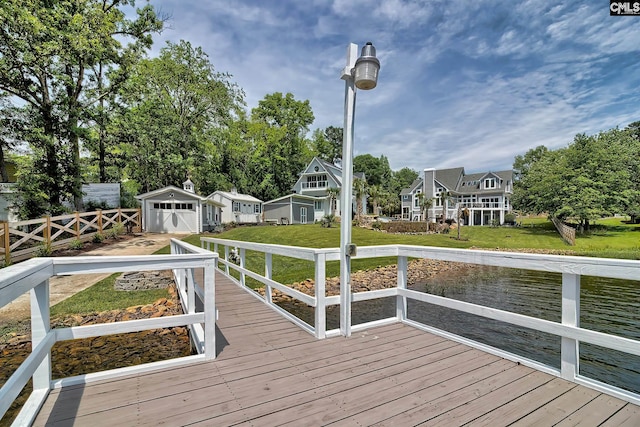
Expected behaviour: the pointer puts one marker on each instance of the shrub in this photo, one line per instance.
(404, 227)
(98, 238)
(76, 244)
(44, 250)
(510, 218)
(115, 231)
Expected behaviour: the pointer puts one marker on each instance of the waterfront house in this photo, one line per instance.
(311, 198)
(241, 208)
(483, 198)
(178, 210)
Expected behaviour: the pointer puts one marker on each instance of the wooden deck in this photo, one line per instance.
(269, 372)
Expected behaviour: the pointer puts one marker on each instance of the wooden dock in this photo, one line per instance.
(270, 372)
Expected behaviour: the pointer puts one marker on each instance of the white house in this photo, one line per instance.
(178, 210)
(310, 200)
(240, 208)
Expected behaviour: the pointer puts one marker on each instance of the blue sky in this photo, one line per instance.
(462, 83)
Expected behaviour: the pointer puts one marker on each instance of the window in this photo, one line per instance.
(256, 208)
(236, 206)
(184, 206)
(303, 215)
(490, 183)
(416, 203)
(318, 205)
(405, 197)
(163, 205)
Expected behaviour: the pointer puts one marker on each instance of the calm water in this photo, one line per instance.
(607, 305)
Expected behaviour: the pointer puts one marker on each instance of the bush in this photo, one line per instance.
(510, 219)
(76, 244)
(98, 238)
(44, 250)
(114, 231)
(404, 227)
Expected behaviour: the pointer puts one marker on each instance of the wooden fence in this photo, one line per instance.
(23, 239)
(567, 232)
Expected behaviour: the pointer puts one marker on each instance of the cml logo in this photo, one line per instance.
(624, 8)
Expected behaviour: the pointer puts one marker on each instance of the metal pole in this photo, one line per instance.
(345, 193)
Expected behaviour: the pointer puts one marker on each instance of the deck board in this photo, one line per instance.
(269, 372)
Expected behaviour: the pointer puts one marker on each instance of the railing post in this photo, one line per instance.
(321, 312)
(226, 258)
(191, 291)
(40, 326)
(210, 309)
(7, 243)
(401, 301)
(242, 264)
(268, 273)
(569, 349)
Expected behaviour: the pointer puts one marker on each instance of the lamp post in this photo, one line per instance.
(361, 73)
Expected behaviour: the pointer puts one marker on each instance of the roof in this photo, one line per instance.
(235, 196)
(172, 189)
(415, 184)
(335, 172)
(449, 178)
(299, 196)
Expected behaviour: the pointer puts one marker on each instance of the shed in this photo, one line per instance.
(175, 210)
(291, 209)
(241, 208)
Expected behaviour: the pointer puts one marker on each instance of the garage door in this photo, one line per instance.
(173, 218)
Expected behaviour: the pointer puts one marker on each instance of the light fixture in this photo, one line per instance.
(366, 69)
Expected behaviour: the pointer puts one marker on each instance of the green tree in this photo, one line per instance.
(376, 170)
(333, 193)
(402, 179)
(360, 192)
(178, 106)
(59, 43)
(375, 194)
(327, 144)
(280, 124)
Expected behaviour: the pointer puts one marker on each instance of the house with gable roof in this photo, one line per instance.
(178, 210)
(310, 199)
(483, 198)
(240, 208)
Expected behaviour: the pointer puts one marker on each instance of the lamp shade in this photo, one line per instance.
(366, 69)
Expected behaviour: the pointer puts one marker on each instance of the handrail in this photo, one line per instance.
(33, 275)
(570, 267)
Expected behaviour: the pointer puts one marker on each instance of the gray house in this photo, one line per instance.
(482, 198)
(310, 200)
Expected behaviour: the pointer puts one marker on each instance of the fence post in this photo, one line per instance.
(139, 220)
(99, 211)
(321, 312)
(401, 301)
(77, 224)
(569, 348)
(119, 215)
(268, 273)
(6, 243)
(47, 231)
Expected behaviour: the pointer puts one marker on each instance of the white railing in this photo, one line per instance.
(33, 276)
(316, 184)
(571, 268)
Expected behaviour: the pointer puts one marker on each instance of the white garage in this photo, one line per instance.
(174, 210)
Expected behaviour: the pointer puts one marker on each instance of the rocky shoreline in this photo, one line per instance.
(77, 357)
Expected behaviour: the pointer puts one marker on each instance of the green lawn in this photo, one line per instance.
(610, 238)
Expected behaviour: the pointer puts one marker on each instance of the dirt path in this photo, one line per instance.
(62, 287)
